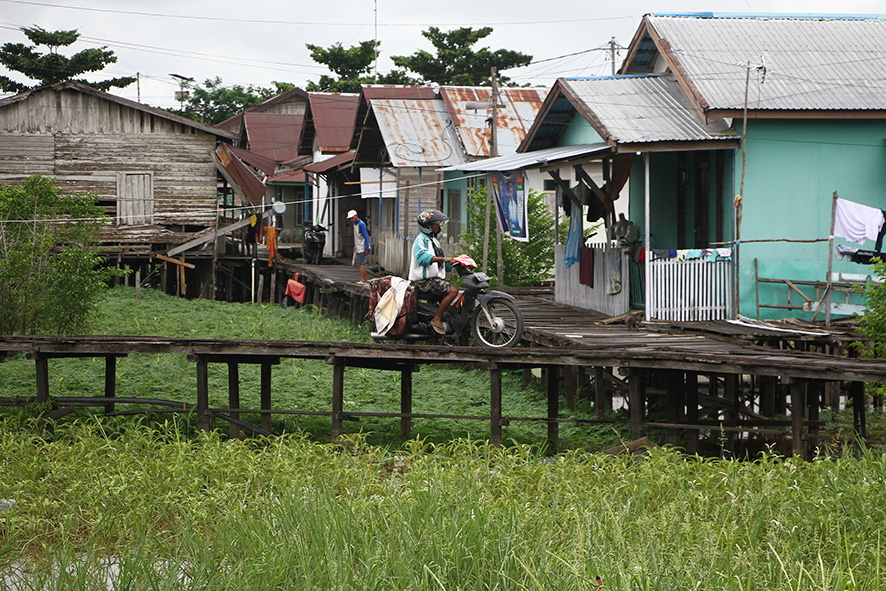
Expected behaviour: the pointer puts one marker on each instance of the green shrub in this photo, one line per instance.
(49, 273)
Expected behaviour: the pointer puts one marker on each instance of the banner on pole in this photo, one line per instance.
(509, 189)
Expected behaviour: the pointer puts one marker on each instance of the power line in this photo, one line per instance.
(309, 23)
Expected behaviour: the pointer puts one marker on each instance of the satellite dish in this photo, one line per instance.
(279, 207)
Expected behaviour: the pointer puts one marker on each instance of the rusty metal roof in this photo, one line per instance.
(518, 109)
(274, 135)
(275, 104)
(290, 176)
(797, 62)
(263, 163)
(331, 118)
(417, 132)
(326, 165)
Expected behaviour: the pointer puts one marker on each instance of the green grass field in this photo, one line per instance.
(148, 503)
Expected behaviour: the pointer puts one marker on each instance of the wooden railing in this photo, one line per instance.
(690, 290)
(395, 252)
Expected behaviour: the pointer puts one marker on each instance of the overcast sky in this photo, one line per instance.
(259, 41)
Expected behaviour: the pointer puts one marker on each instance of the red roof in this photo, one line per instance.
(290, 176)
(274, 135)
(330, 163)
(263, 163)
(334, 116)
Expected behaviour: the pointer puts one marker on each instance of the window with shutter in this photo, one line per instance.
(135, 198)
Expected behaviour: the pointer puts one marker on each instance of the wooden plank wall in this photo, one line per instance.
(568, 290)
(84, 141)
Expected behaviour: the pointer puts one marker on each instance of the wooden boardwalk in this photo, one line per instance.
(675, 379)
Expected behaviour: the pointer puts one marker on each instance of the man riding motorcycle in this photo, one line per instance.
(428, 267)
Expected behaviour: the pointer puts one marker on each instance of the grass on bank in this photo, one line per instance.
(154, 508)
(296, 384)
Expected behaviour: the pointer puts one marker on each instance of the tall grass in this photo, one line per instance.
(168, 511)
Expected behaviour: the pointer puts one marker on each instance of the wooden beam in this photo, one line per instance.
(176, 261)
(202, 393)
(338, 396)
(266, 395)
(584, 177)
(110, 381)
(564, 186)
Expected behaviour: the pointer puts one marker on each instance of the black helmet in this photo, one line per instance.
(429, 217)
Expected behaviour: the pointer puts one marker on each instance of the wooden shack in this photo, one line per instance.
(153, 171)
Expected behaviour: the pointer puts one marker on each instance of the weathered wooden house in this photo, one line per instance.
(152, 170)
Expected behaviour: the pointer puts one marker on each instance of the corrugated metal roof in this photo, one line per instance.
(333, 119)
(520, 106)
(417, 132)
(263, 163)
(798, 62)
(640, 109)
(290, 176)
(330, 163)
(274, 135)
(78, 87)
(530, 159)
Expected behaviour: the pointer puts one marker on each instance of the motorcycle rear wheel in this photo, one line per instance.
(506, 328)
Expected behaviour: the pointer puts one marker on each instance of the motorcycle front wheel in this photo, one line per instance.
(503, 327)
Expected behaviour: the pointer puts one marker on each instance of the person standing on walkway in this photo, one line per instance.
(361, 243)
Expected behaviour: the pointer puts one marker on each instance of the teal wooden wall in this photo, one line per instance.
(793, 168)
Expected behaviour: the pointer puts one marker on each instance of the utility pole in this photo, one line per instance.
(181, 94)
(613, 47)
(493, 152)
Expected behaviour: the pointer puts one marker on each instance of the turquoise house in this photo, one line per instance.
(738, 131)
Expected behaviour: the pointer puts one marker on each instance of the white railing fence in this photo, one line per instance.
(690, 290)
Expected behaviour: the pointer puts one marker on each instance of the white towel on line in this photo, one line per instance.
(857, 222)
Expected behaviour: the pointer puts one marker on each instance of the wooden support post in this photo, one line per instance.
(138, 284)
(730, 392)
(552, 389)
(767, 396)
(602, 402)
(570, 381)
(798, 403)
(856, 394)
(692, 411)
(266, 395)
(495, 406)
(406, 402)
(636, 396)
(813, 398)
(110, 381)
(527, 377)
(673, 405)
(233, 396)
(272, 298)
(202, 392)
(41, 364)
(338, 398)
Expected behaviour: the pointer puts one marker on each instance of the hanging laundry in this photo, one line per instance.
(681, 254)
(857, 222)
(660, 254)
(574, 240)
(695, 253)
(862, 257)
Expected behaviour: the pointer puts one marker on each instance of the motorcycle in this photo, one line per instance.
(314, 242)
(492, 317)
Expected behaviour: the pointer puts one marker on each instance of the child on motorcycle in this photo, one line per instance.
(428, 267)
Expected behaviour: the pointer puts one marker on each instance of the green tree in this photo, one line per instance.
(352, 67)
(49, 68)
(872, 325)
(50, 272)
(456, 63)
(214, 102)
(525, 263)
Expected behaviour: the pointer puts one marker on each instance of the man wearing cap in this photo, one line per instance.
(361, 243)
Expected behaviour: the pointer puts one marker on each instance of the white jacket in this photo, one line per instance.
(421, 266)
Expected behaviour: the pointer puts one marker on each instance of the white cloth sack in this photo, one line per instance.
(389, 304)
